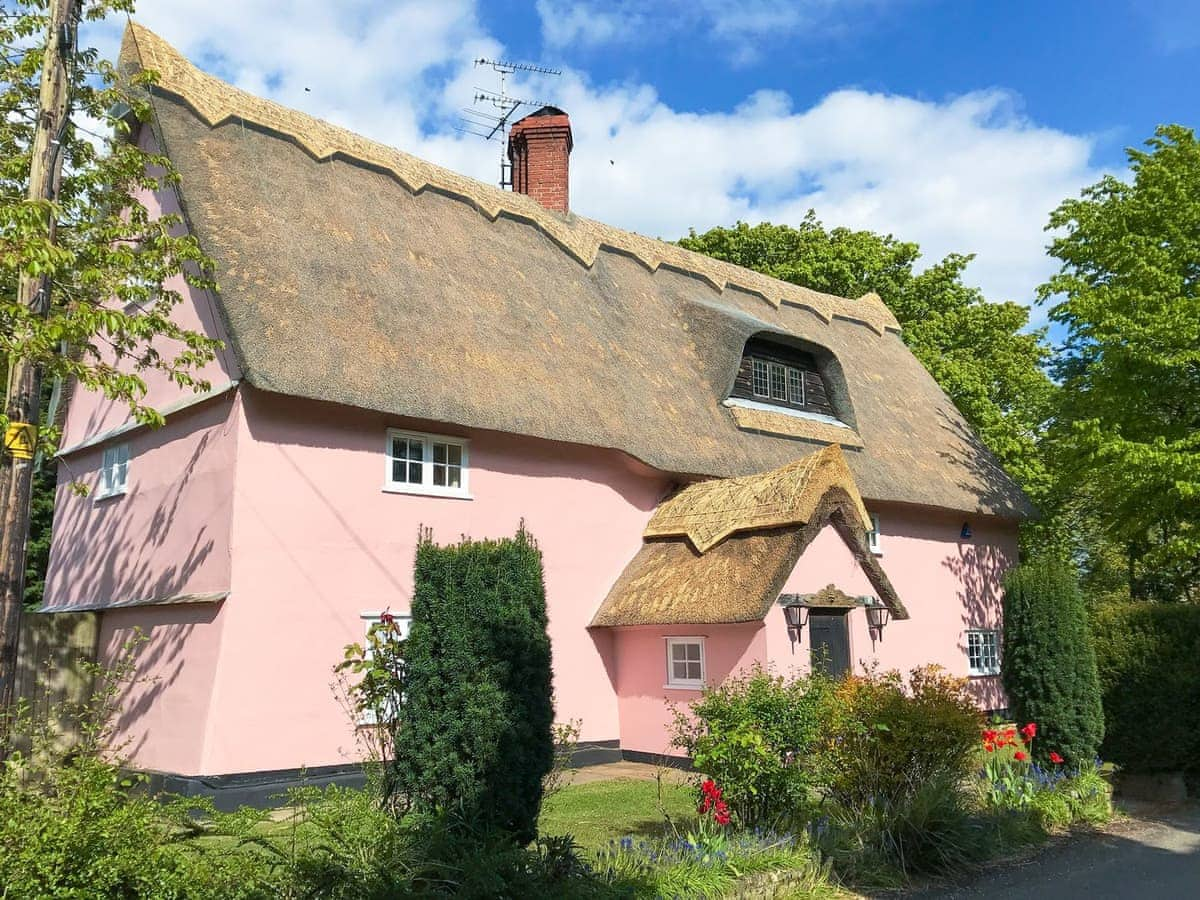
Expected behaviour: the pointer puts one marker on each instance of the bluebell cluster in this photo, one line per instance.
(673, 851)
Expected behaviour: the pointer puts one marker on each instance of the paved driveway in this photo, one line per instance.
(1156, 855)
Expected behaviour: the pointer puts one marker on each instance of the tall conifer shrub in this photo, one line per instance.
(473, 736)
(1049, 663)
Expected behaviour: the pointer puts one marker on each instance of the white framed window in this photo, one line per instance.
(419, 463)
(114, 471)
(983, 651)
(778, 382)
(760, 380)
(403, 623)
(685, 662)
(873, 536)
(795, 386)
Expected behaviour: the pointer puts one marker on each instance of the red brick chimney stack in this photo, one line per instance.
(539, 147)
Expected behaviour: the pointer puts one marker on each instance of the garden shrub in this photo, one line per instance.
(473, 733)
(754, 735)
(1049, 664)
(894, 764)
(1148, 656)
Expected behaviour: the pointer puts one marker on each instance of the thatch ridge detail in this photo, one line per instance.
(218, 103)
(708, 512)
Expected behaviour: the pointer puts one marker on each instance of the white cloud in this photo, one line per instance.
(966, 174)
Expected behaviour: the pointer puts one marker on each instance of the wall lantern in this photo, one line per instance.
(965, 534)
(877, 616)
(794, 612)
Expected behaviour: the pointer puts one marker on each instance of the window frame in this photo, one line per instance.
(426, 487)
(685, 684)
(106, 487)
(875, 536)
(369, 618)
(974, 671)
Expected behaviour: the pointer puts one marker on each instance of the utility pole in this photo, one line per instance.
(22, 400)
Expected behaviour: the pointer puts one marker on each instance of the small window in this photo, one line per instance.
(426, 464)
(114, 472)
(685, 662)
(873, 536)
(761, 380)
(402, 623)
(778, 382)
(983, 652)
(795, 386)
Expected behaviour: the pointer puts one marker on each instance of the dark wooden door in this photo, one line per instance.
(829, 634)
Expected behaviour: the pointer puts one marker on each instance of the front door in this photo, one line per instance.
(829, 634)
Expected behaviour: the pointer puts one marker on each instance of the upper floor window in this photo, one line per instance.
(781, 376)
(420, 463)
(873, 536)
(114, 471)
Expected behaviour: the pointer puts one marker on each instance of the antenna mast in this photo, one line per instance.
(495, 125)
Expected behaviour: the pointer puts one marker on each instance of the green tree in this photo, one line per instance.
(1049, 662)
(472, 734)
(981, 353)
(112, 262)
(1128, 426)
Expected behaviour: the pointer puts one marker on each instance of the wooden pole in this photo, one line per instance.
(22, 400)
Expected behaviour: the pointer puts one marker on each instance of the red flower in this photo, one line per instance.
(1056, 759)
(1030, 731)
(721, 818)
(710, 789)
(989, 747)
(989, 736)
(386, 618)
(1019, 756)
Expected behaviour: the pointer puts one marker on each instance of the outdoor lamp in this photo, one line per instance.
(877, 616)
(796, 616)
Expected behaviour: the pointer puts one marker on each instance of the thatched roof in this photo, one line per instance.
(354, 273)
(720, 552)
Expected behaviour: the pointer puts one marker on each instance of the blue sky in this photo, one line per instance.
(959, 125)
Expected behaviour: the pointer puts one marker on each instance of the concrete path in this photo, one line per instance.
(1154, 854)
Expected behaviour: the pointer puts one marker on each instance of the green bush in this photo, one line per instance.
(1149, 663)
(894, 765)
(473, 733)
(754, 735)
(1049, 664)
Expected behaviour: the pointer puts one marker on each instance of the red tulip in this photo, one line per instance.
(1019, 756)
(1030, 731)
(1056, 759)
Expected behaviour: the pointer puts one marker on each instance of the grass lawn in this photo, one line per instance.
(601, 811)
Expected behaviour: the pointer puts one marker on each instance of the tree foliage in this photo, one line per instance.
(981, 353)
(1128, 429)
(1049, 663)
(473, 731)
(114, 266)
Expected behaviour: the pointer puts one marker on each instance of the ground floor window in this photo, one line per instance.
(983, 652)
(685, 662)
(402, 622)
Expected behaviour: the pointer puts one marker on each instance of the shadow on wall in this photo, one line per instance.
(107, 551)
(979, 570)
(161, 662)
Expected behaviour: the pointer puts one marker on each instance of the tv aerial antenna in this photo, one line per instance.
(494, 124)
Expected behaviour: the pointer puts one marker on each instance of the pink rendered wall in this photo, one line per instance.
(316, 541)
(168, 533)
(641, 670)
(948, 584)
(90, 414)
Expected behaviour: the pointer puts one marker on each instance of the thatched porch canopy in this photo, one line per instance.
(719, 552)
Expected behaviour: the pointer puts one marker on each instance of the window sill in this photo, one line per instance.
(983, 674)
(683, 687)
(108, 495)
(427, 491)
(764, 405)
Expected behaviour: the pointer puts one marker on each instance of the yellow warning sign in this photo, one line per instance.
(20, 439)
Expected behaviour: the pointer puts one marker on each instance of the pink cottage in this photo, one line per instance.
(701, 452)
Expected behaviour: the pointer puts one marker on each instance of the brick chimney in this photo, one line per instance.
(539, 147)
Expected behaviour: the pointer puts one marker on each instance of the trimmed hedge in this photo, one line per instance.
(1049, 663)
(1149, 661)
(473, 736)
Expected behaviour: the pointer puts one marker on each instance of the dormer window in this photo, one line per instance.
(778, 375)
